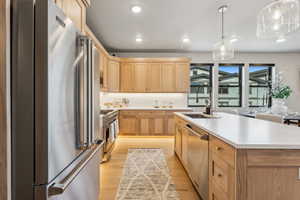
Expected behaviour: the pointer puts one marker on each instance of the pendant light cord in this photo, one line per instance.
(222, 24)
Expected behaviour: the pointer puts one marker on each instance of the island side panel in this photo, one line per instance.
(270, 174)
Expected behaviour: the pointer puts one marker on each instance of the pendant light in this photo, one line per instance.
(278, 19)
(223, 50)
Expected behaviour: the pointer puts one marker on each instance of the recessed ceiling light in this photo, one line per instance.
(281, 39)
(139, 39)
(136, 9)
(186, 40)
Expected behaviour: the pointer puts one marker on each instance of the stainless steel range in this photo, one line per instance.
(109, 125)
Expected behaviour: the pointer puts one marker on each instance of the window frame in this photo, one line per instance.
(240, 83)
(270, 71)
(209, 87)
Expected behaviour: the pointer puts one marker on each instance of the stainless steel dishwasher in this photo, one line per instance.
(198, 160)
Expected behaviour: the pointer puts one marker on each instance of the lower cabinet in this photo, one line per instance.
(184, 154)
(178, 140)
(128, 123)
(147, 122)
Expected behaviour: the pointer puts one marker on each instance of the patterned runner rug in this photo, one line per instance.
(146, 177)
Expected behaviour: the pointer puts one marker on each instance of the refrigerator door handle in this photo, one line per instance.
(82, 113)
(60, 188)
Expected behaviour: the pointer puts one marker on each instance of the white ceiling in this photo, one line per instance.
(163, 23)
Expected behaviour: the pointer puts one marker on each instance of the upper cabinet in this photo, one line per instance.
(113, 76)
(154, 77)
(168, 77)
(75, 10)
(182, 77)
(164, 75)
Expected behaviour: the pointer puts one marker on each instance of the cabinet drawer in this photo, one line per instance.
(222, 176)
(217, 194)
(223, 150)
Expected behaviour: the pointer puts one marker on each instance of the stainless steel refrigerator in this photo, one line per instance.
(56, 146)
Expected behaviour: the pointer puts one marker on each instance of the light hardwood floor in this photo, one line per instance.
(111, 171)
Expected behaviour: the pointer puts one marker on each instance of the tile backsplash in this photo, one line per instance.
(145, 99)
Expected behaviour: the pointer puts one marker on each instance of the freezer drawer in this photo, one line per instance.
(86, 185)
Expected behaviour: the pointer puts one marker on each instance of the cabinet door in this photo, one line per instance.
(168, 77)
(127, 77)
(170, 123)
(113, 76)
(274, 182)
(184, 152)
(75, 10)
(182, 77)
(178, 138)
(159, 123)
(140, 77)
(129, 123)
(154, 77)
(105, 71)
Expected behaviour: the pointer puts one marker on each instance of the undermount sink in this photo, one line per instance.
(199, 116)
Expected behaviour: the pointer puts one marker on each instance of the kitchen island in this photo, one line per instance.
(248, 159)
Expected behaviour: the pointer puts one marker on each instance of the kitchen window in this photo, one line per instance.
(260, 85)
(201, 84)
(230, 85)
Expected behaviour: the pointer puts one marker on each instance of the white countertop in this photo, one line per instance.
(148, 108)
(248, 133)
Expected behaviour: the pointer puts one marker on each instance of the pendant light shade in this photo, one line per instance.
(223, 50)
(278, 19)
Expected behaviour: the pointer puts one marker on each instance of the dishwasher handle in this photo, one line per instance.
(201, 135)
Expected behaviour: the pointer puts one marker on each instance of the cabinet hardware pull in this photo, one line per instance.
(219, 175)
(213, 168)
(219, 148)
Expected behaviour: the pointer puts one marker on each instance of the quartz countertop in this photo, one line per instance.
(148, 108)
(248, 133)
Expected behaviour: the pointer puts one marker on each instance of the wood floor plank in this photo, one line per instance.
(111, 171)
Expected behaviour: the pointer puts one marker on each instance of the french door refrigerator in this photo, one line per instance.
(56, 142)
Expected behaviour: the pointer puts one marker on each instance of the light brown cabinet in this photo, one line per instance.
(127, 77)
(184, 153)
(128, 123)
(178, 140)
(152, 75)
(182, 77)
(148, 122)
(75, 10)
(113, 75)
(168, 77)
(140, 77)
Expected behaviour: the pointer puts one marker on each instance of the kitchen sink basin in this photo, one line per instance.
(199, 116)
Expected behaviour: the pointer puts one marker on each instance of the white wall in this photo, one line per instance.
(288, 63)
(146, 99)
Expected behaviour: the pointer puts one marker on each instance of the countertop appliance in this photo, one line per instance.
(197, 159)
(110, 130)
(56, 144)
